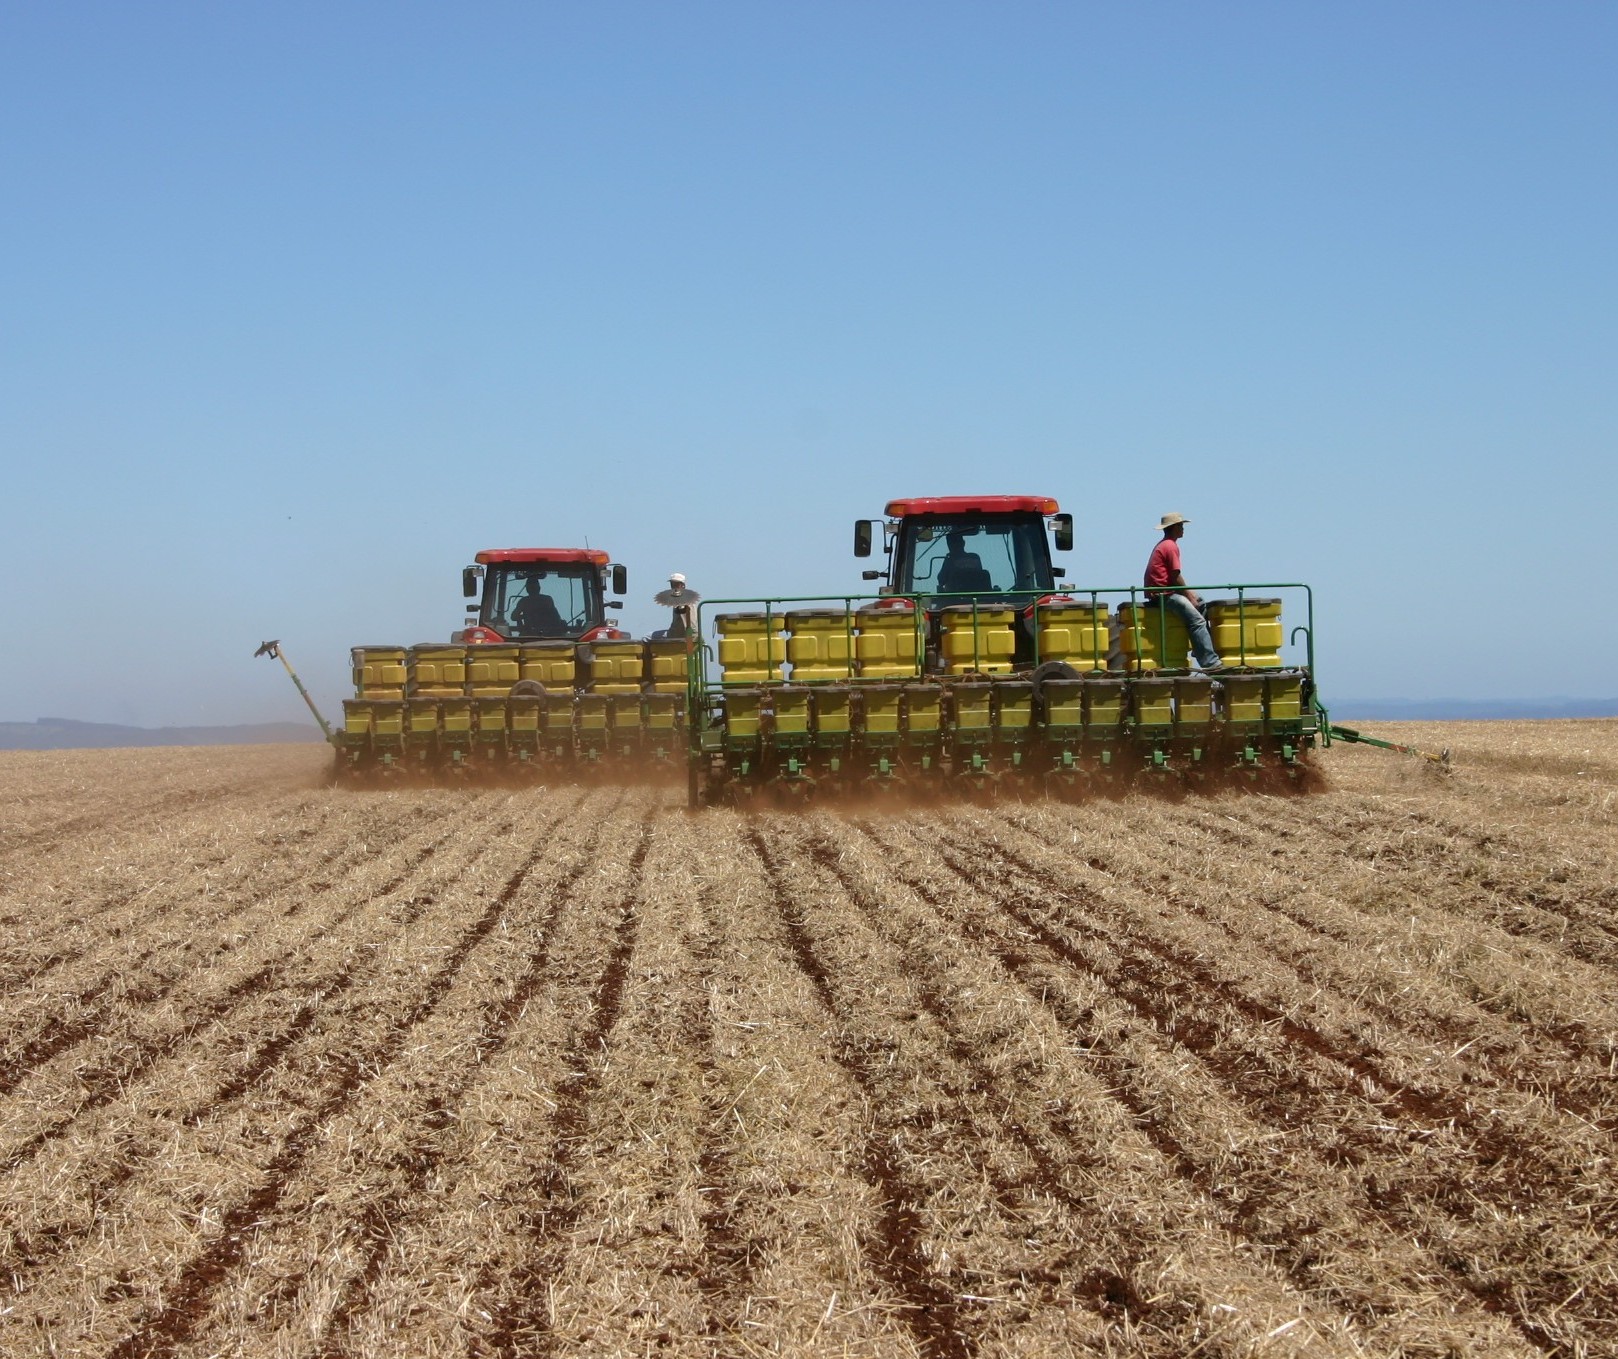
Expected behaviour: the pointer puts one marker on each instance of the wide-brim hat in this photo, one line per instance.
(672, 599)
(1170, 519)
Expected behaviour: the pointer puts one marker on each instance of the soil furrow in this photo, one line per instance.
(98, 1085)
(1051, 1158)
(185, 1304)
(1181, 997)
(113, 993)
(516, 1328)
(379, 1220)
(941, 1324)
(723, 1266)
(1027, 951)
(280, 1052)
(290, 1070)
(1516, 909)
(1580, 1093)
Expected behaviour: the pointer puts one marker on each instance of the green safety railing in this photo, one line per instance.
(920, 605)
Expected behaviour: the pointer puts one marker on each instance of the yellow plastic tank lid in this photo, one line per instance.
(1244, 603)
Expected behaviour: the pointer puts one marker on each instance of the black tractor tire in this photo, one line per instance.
(1050, 670)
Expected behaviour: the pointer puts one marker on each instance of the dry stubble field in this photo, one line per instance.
(287, 1070)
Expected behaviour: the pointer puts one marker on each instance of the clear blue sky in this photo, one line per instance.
(302, 304)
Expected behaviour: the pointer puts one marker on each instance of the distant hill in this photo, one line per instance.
(63, 733)
(1469, 709)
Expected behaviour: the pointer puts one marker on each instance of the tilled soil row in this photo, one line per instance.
(117, 794)
(1567, 1062)
(1571, 907)
(326, 1072)
(307, 1067)
(248, 1035)
(433, 1157)
(942, 1313)
(788, 1205)
(83, 908)
(139, 967)
(1041, 1156)
(1132, 1037)
(1455, 1169)
(1401, 985)
(219, 1288)
(136, 1029)
(1394, 1053)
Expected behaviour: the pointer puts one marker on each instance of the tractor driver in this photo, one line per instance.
(536, 615)
(961, 570)
(1166, 588)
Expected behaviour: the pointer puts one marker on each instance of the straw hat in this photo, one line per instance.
(1170, 519)
(676, 594)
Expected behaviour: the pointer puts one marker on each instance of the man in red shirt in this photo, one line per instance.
(1166, 588)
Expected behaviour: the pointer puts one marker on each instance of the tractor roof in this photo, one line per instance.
(592, 556)
(972, 504)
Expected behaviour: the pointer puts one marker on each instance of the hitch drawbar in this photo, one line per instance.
(1354, 737)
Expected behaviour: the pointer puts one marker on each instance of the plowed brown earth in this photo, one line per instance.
(289, 1070)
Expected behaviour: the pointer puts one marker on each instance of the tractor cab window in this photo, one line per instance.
(977, 556)
(541, 601)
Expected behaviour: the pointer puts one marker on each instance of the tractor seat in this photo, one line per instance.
(964, 574)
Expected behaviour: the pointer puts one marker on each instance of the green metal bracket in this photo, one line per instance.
(1355, 737)
(273, 648)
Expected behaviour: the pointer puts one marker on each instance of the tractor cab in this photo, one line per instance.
(541, 594)
(968, 549)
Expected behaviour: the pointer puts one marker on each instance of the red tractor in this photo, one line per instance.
(542, 594)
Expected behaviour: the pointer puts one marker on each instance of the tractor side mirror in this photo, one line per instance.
(1063, 523)
(469, 581)
(862, 537)
(620, 579)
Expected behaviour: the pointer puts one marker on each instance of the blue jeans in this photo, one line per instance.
(1196, 627)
